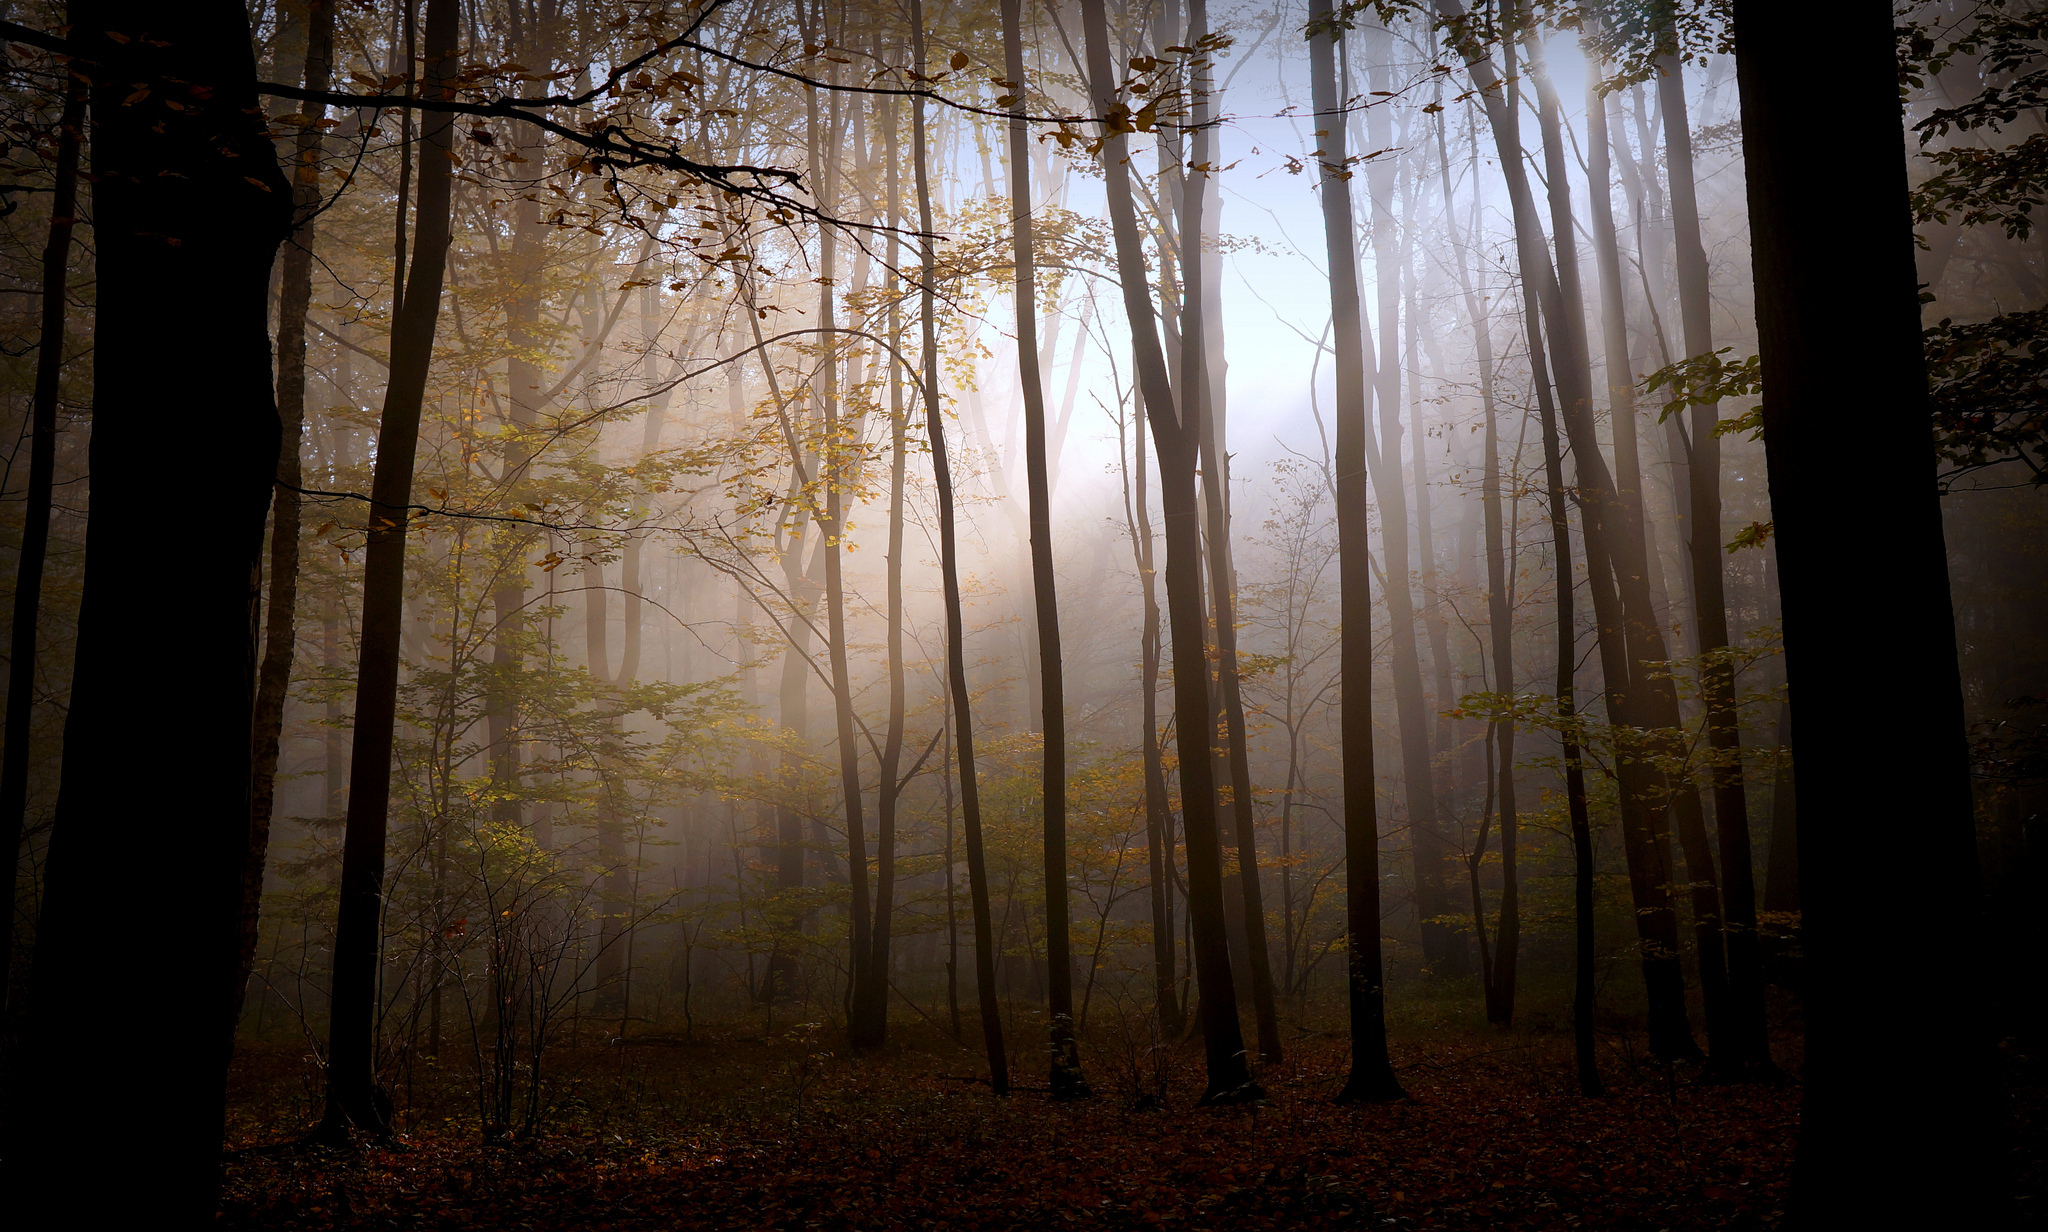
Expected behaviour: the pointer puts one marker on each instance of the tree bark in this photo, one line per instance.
(1832, 247)
(353, 1099)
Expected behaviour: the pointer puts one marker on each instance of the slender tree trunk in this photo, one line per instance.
(1175, 430)
(888, 788)
(35, 528)
(353, 1099)
(949, 569)
(1833, 260)
(1443, 951)
(1158, 807)
(1372, 1072)
(1744, 1051)
(1066, 1079)
(295, 294)
(1201, 392)
(189, 207)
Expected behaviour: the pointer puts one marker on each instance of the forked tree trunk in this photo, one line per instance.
(1175, 432)
(353, 1099)
(1372, 1072)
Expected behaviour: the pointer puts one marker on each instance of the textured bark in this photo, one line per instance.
(1832, 247)
(1372, 1072)
(353, 1099)
(189, 207)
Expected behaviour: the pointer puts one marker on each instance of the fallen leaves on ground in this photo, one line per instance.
(742, 1136)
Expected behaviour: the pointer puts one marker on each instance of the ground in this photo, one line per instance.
(789, 1133)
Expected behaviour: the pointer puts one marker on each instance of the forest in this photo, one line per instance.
(869, 614)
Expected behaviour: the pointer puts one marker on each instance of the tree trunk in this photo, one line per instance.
(1201, 393)
(35, 525)
(1066, 1080)
(949, 569)
(1443, 952)
(353, 1099)
(274, 676)
(1372, 1072)
(1833, 263)
(189, 209)
(1175, 430)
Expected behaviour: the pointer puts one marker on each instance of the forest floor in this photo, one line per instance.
(789, 1133)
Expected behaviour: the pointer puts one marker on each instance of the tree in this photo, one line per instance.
(353, 1100)
(187, 194)
(1066, 1080)
(1832, 249)
(1372, 1072)
(1176, 434)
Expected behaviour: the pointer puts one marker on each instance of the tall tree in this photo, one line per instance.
(1832, 246)
(281, 634)
(949, 581)
(1372, 1071)
(35, 521)
(1066, 1079)
(1176, 434)
(1744, 1051)
(188, 198)
(1442, 949)
(353, 1098)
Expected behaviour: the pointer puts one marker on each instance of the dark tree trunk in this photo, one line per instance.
(189, 209)
(949, 569)
(1372, 1072)
(353, 1099)
(1833, 254)
(35, 518)
(295, 294)
(1066, 1079)
(1175, 431)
